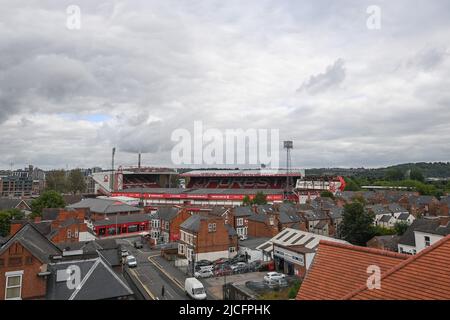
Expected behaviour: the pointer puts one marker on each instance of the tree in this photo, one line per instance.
(327, 194)
(246, 201)
(417, 175)
(394, 174)
(76, 181)
(49, 199)
(57, 180)
(351, 185)
(260, 198)
(400, 227)
(6, 216)
(357, 224)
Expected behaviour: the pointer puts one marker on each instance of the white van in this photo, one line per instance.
(194, 289)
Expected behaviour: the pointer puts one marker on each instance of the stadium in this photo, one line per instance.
(214, 187)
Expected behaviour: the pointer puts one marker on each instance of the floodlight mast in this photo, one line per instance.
(288, 145)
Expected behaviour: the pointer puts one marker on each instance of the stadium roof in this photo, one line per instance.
(244, 173)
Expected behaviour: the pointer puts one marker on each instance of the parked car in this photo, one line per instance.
(239, 258)
(224, 270)
(273, 276)
(221, 261)
(138, 244)
(203, 263)
(239, 267)
(194, 289)
(205, 273)
(277, 283)
(255, 265)
(202, 268)
(131, 261)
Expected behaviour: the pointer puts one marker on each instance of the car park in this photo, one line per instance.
(273, 276)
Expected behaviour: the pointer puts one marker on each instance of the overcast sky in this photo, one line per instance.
(137, 70)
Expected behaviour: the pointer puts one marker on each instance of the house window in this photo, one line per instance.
(240, 221)
(211, 227)
(76, 233)
(232, 249)
(427, 241)
(69, 233)
(13, 290)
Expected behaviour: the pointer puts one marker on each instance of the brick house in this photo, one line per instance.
(238, 219)
(444, 206)
(170, 220)
(421, 205)
(24, 259)
(207, 237)
(60, 225)
(389, 242)
(99, 209)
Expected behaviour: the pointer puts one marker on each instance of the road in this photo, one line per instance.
(152, 275)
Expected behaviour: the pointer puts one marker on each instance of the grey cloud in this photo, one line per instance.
(333, 76)
(152, 67)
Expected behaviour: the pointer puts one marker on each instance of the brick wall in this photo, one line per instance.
(214, 241)
(18, 258)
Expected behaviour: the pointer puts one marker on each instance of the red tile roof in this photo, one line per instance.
(338, 269)
(425, 276)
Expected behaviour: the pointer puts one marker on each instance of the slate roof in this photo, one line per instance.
(193, 222)
(445, 200)
(104, 206)
(336, 213)
(403, 216)
(424, 276)
(385, 218)
(395, 208)
(289, 217)
(231, 230)
(98, 282)
(120, 219)
(243, 211)
(390, 241)
(7, 203)
(252, 243)
(339, 268)
(265, 209)
(34, 241)
(435, 228)
(258, 217)
(218, 211)
(408, 238)
(167, 213)
(378, 209)
(50, 214)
